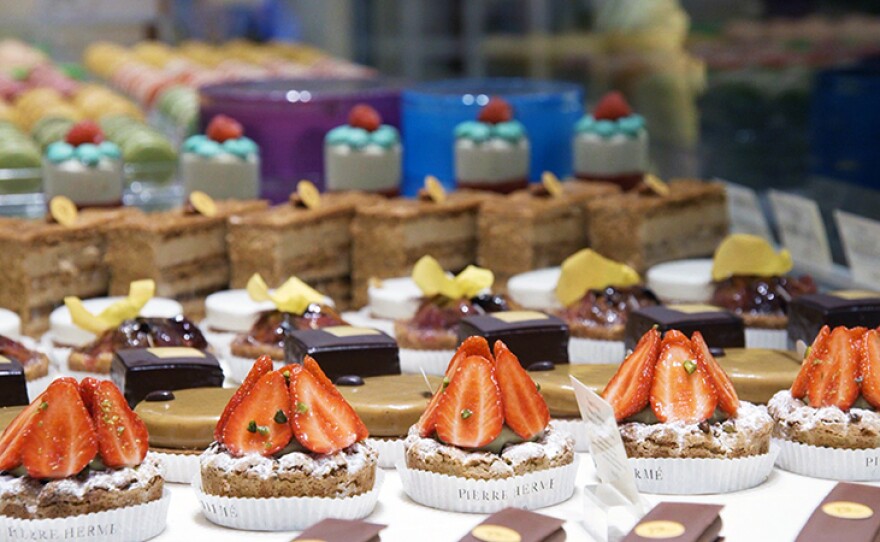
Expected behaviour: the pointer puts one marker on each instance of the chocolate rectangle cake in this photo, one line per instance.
(389, 237)
(720, 328)
(531, 229)
(344, 350)
(293, 240)
(851, 308)
(642, 229)
(13, 385)
(184, 252)
(140, 371)
(534, 336)
(44, 262)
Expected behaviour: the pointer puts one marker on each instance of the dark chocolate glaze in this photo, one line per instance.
(159, 396)
(349, 380)
(761, 295)
(609, 307)
(271, 326)
(533, 341)
(721, 329)
(142, 332)
(13, 386)
(541, 366)
(807, 314)
(347, 357)
(138, 372)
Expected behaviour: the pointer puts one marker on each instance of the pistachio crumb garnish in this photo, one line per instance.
(689, 366)
(466, 413)
(302, 408)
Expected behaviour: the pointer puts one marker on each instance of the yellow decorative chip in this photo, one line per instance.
(63, 210)
(139, 292)
(203, 203)
(435, 189)
(294, 296)
(431, 279)
(551, 184)
(587, 270)
(656, 185)
(751, 255)
(308, 194)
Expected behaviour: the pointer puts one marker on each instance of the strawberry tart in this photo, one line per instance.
(78, 449)
(222, 163)
(84, 167)
(827, 424)
(487, 425)
(363, 154)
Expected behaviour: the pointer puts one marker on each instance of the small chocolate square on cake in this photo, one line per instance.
(851, 308)
(139, 371)
(720, 328)
(533, 336)
(344, 351)
(13, 387)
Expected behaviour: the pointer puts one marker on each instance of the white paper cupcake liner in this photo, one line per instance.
(774, 339)
(577, 428)
(132, 524)
(592, 351)
(363, 318)
(177, 468)
(701, 476)
(831, 463)
(434, 362)
(283, 513)
(390, 451)
(458, 494)
(239, 367)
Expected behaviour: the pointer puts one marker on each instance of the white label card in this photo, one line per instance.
(746, 215)
(861, 243)
(801, 228)
(606, 446)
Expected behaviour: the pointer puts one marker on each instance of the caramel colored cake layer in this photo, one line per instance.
(184, 253)
(389, 237)
(531, 229)
(644, 229)
(292, 240)
(44, 262)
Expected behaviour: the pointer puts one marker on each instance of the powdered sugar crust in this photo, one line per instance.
(785, 408)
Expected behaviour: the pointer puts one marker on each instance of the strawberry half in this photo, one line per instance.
(818, 351)
(364, 116)
(681, 390)
(87, 388)
(222, 128)
(61, 441)
(869, 363)
(322, 421)
(834, 379)
(13, 438)
(261, 367)
(524, 409)
(496, 110)
(470, 413)
(260, 422)
(630, 387)
(728, 401)
(612, 106)
(122, 435)
(85, 131)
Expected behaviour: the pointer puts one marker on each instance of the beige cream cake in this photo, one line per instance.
(45, 261)
(531, 229)
(389, 237)
(183, 251)
(642, 228)
(294, 240)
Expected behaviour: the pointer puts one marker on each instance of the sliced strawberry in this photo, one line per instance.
(222, 128)
(472, 346)
(630, 387)
(260, 424)
(470, 414)
(524, 409)
(61, 441)
(85, 131)
(13, 438)
(818, 351)
(728, 401)
(122, 435)
(869, 363)
(364, 116)
(834, 380)
(681, 390)
(261, 367)
(87, 388)
(322, 421)
(612, 106)
(496, 110)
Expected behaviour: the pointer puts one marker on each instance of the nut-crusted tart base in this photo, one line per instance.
(828, 426)
(80, 361)
(554, 449)
(36, 367)
(242, 348)
(343, 474)
(26, 498)
(765, 321)
(746, 435)
(409, 336)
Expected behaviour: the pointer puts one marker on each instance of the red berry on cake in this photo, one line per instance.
(122, 435)
(469, 414)
(524, 409)
(260, 423)
(85, 131)
(817, 352)
(261, 367)
(612, 106)
(366, 117)
(834, 379)
(869, 365)
(495, 111)
(728, 401)
(222, 128)
(630, 387)
(681, 390)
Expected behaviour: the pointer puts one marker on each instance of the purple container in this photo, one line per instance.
(288, 119)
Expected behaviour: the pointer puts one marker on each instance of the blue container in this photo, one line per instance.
(548, 109)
